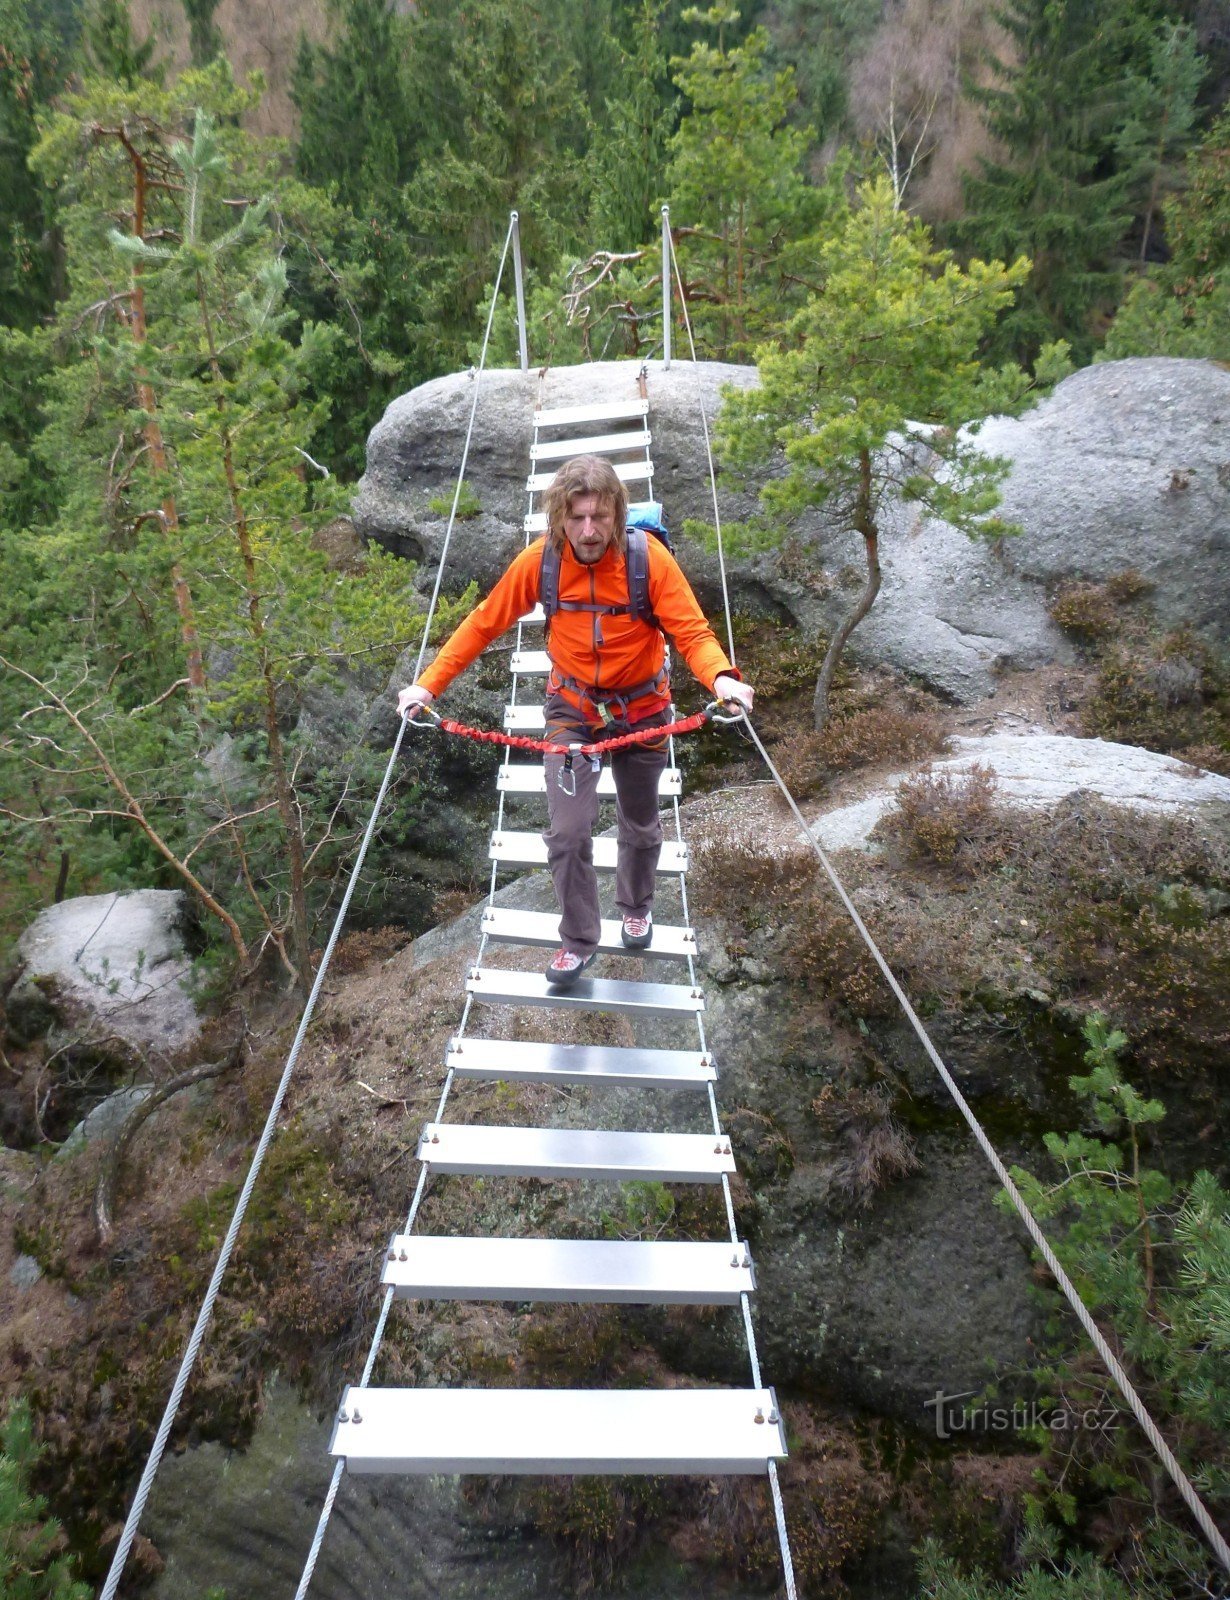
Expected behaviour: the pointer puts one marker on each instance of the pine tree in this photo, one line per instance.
(32, 1563)
(32, 69)
(741, 208)
(526, 131)
(170, 621)
(358, 127)
(820, 39)
(111, 49)
(1157, 132)
(204, 39)
(629, 155)
(886, 343)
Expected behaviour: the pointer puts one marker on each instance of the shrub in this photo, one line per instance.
(468, 503)
(32, 1563)
(875, 1149)
(1085, 610)
(951, 818)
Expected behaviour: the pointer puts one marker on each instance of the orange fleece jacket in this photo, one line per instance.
(603, 653)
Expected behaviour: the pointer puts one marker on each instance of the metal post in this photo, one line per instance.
(666, 288)
(520, 283)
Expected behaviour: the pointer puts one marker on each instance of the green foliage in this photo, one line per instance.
(1086, 106)
(467, 502)
(629, 155)
(1151, 1263)
(821, 39)
(178, 598)
(741, 208)
(1182, 308)
(33, 68)
(32, 1565)
(204, 39)
(872, 382)
(111, 49)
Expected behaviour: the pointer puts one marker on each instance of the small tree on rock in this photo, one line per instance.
(869, 392)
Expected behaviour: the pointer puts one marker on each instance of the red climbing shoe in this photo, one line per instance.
(637, 931)
(566, 967)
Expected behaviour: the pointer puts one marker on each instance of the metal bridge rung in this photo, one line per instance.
(513, 848)
(599, 444)
(527, 1060)
(577, 1271)
(573, 416)
(518, 777)
(536, 522)
(659, 1431)
(530, 663)
(626, 472)
(524, 719)
(507, 925)
(496, 986)
(534, 618)
(576, 1153)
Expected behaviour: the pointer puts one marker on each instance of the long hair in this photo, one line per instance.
(585, 475)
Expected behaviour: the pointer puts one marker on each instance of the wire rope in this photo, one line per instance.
(1177, 1475)
(704, 422)
(205, 1314)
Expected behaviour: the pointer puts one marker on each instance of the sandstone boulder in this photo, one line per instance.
(1126, 464)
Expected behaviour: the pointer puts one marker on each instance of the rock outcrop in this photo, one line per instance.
(1040, 769)
(108, 964)
(1125, 465)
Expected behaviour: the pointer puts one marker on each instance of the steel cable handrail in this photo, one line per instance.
(188, 1361)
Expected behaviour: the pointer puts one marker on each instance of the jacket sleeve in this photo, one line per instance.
(514, 595)
(678, 611)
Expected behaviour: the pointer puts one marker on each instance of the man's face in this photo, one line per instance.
(589, 526)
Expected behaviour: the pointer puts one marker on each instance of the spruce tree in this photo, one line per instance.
(629, 154)
(1063, 192)
(111, 50)
(33, 67)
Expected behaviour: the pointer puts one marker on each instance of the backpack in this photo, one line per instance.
(644, 517)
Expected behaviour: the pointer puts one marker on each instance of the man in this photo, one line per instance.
(608, 677)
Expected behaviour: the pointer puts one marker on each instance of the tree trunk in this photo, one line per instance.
(865, 523)
(283, 787)
(108, 1178)
(153, 432)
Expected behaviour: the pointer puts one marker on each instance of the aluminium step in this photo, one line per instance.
(599, 444)
(623, 1157)
(535, 523)
(659, 1431)
(529, 1061)
(575, 1271)
(520, 777)
(507, 925)
(604, 411)
(496, 986)
(534, 618)
(626, 472)
(524, 719)
(513, 848)
(529, 664)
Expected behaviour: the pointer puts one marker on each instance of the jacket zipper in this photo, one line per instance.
(594, 627)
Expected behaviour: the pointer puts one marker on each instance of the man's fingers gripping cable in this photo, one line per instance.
(413, 699)
(733, 692)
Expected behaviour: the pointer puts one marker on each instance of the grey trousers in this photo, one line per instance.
(571, 819)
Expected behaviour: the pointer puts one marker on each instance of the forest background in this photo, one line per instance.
(214, 278)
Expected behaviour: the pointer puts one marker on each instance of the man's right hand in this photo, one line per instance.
(412, 699)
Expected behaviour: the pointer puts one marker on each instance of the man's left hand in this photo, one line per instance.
(732, 692)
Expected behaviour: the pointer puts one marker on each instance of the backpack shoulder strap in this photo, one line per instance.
(636, 557)
(548, 581)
